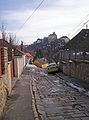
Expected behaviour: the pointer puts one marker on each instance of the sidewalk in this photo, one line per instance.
(19, 104)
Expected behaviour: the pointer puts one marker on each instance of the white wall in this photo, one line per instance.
(19, 64)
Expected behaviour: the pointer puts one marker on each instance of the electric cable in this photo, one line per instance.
(79, 25)
(80, 28)
(30, 16)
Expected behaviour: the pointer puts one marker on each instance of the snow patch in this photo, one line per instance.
(42, 73)
(57, 81)
(30, 65)
(87, 93)
(33, 70)
(54, 90)
(76, 87)
(33, 78)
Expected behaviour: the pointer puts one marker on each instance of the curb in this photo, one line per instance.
(33, 103)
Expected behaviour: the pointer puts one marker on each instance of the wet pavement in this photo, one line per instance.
(52, 97)
(60, 100)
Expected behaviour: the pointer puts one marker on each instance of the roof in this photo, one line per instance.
(29, 55)
(4, 43)
(80, 41)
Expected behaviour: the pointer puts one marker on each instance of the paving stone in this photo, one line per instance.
(60, 101)
(85, 118)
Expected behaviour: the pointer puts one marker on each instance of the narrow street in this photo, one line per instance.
(53, 99)
(60, 101)
(44, 60)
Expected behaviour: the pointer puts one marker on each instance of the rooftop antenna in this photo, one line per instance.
(86, 26)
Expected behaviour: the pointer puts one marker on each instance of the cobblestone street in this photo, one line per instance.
(39, 96)
(58, 100)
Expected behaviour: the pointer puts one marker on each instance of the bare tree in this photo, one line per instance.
(3, 32)
(13, 40)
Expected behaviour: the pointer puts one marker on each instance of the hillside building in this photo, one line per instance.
(52, 37)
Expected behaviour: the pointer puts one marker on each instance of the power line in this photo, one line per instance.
(30, 16)
(79, 25)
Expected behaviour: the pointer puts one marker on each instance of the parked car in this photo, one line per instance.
(52, 67)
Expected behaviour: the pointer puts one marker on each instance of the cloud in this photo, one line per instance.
(60, 16)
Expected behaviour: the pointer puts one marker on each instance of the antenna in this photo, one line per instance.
(86, 26)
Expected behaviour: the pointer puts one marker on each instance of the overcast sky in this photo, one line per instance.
(59, 16)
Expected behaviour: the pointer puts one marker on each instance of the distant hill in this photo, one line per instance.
(44, 43)
(48, 49)
(80, 41)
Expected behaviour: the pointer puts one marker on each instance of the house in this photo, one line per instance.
(30, 57)
(20, 60)
(80, 41)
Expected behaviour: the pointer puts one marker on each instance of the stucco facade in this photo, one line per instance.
(19, 63)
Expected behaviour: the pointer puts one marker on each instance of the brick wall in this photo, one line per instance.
(3, 97)
(0, 64)
(5, 75)
(3, 84)
(3, 93)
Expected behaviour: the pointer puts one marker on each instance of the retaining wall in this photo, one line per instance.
(78, 69)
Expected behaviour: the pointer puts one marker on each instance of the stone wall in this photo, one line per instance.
(78, 69)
